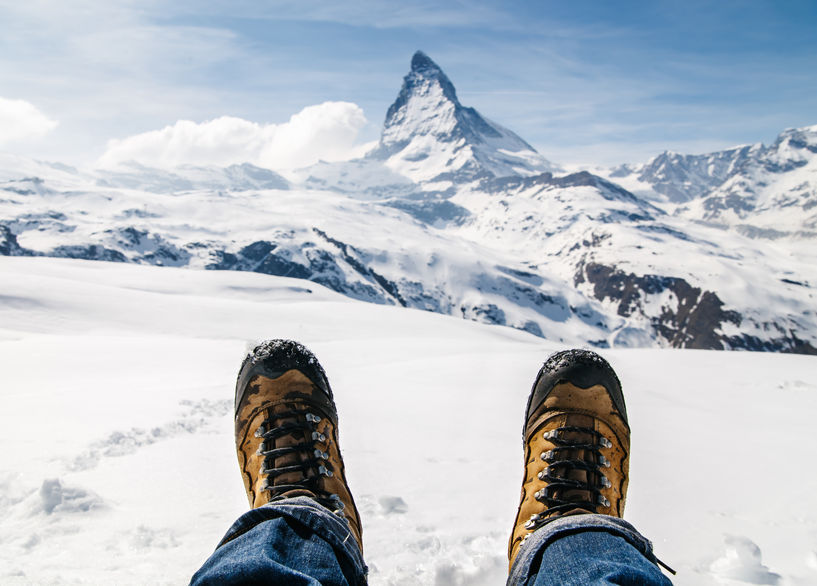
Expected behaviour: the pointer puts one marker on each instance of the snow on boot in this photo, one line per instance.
(286, 431)
(577, 444)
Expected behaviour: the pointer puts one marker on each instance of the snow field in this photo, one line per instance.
(119, 466)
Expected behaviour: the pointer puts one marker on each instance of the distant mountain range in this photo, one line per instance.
(453, 213)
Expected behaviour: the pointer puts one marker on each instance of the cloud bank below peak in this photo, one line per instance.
(21, 120)
(326, 131)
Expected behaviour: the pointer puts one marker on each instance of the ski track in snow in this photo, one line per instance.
(137, 486)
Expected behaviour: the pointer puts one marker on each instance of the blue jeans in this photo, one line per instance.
(298, 541)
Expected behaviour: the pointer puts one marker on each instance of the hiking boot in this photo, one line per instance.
(577, 444)
(286, 431)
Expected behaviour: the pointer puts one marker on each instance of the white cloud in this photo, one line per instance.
(323, 132)
(20, 120)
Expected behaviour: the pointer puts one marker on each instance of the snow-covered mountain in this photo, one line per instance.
(429, 136)
(681, 178)
(762, 191)
(772, 194)
(454, 214)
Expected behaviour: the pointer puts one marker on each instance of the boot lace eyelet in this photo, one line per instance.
(301, 456)
(563, 491)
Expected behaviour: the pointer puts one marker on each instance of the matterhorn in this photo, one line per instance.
(429, 135)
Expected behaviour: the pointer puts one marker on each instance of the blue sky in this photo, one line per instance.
(584, 82)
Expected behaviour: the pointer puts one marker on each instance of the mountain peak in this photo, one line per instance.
(422, 64)
(428, 135)
(424, 78)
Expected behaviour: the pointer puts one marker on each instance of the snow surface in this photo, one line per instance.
(119, 467)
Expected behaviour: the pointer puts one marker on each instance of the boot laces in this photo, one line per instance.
(308, 457)
(563, 492)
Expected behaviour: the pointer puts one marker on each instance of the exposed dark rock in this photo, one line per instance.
(737, 203)
(222, 260)
(353, 257)
(789, 344)
(488, 313)
(26, 186)
(693, 322)
(9, 245)
(143, 246)
(137, 213)
(792, 282)
(51, 220)
(432, 212)
(88, 252)
(610, 191)
(696, 318)
(754, 232)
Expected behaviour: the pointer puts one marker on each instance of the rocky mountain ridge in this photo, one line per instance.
(455, 214)
(762, 191)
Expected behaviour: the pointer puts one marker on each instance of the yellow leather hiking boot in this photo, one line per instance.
(286, 431)
(577, 444)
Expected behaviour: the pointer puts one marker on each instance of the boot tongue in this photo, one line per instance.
(297, 492)
(294, 438)
(582, 437)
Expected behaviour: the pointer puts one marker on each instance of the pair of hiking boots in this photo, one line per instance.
(576, 438)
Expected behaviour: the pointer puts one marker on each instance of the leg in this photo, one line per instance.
(568, 528)
(304, 527)
(297, 542)
(587, 549)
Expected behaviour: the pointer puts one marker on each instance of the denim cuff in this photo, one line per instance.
(535, 545)
(308, 512)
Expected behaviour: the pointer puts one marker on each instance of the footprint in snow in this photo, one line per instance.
(392, 505)
(55, 497)
(196, 417)
(741, 562)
